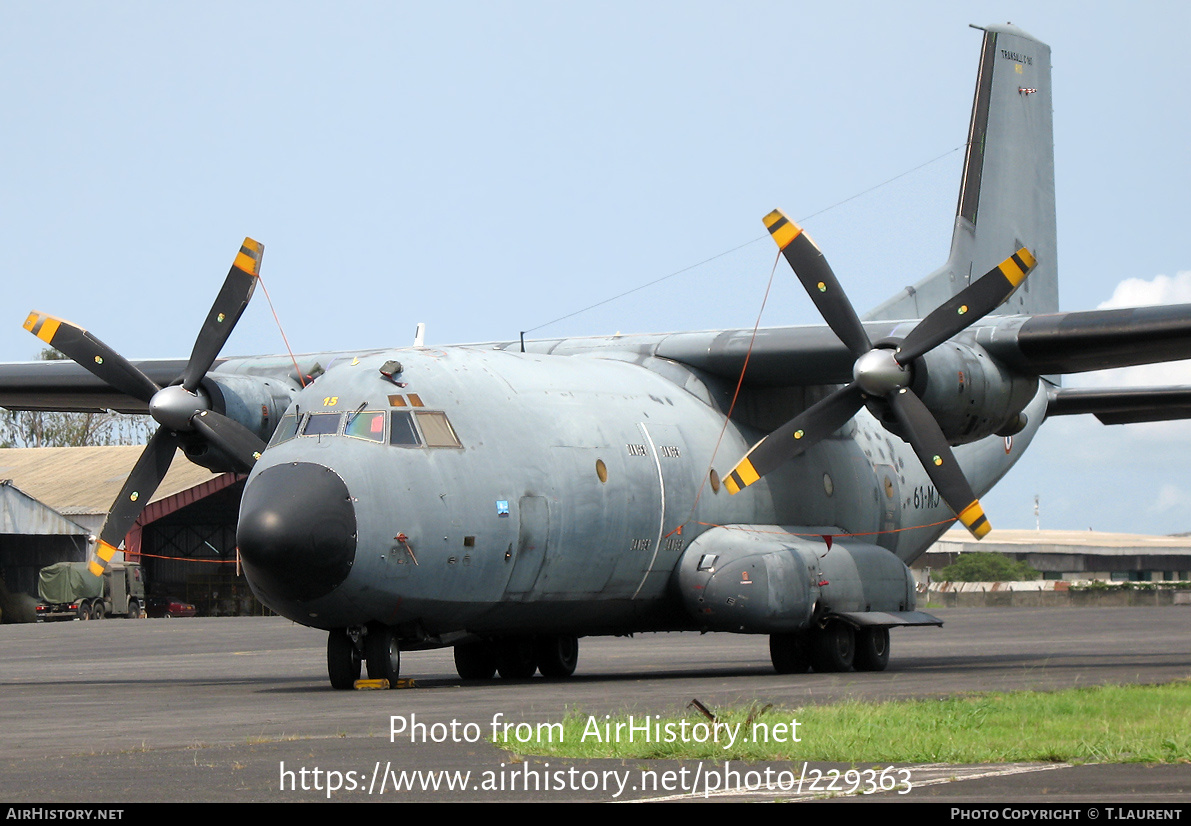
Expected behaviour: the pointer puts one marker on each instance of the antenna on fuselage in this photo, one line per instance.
(420, 335)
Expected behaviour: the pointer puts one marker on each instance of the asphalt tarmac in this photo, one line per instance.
(240, 710)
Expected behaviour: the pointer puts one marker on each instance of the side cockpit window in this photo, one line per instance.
(286, 428)
(437, 429)
(401, 429)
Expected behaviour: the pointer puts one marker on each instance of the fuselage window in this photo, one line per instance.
(369, 425)
(401, 429)
(285, 430)
(436, 429)
(321, 424)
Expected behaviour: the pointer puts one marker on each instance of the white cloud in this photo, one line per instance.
(1138, 292)
(1171, 499)
(1162, 289)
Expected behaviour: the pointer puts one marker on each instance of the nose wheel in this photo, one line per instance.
(351, 649)
(343, 659)
(382, 654)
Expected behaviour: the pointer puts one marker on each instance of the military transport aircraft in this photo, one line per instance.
(509, 498)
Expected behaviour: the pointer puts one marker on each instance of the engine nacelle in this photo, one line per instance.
(970, 394)
(255, 402)
(766, 579)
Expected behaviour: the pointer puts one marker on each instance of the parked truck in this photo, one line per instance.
(69, 591)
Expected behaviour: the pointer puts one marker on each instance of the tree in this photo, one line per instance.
(39, 428)
(979, 566)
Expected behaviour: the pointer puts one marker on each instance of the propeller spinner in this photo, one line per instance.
(182, 409)
(881, 373)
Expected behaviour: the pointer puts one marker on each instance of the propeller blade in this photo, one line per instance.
(92, 354)
(230, 436)
(138, 489)
(967, 306)
(820, 282)
(225, 312)
(806, 429)
(930, 445)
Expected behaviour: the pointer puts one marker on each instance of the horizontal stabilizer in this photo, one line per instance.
(1123, 405)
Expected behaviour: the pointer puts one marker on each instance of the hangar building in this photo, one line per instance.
(55, 497)
(1075, 555)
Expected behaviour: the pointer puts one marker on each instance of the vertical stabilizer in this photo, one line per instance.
(1007, 195)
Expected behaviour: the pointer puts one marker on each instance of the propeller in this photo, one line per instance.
(182, 409)
(881, 373)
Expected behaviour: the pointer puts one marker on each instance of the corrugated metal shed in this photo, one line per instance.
(82, 482)
(23, 515)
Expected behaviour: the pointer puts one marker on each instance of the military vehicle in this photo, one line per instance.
(69, 590)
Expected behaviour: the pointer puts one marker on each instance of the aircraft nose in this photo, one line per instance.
(297, 531)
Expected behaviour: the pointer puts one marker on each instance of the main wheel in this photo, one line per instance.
(382, 654)
(872, 649)
(475, 660)
(343, 659)
(790, 653)
(557, 655)
(833, 648)
(516, 658)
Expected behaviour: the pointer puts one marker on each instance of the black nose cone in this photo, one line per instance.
(297, 531)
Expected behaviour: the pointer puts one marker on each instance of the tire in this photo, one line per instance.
(833, 648)
(343, 660)
(790, 653)
(134, 610)
(84, 611)
(98, 610)
(872, 649)
(557, 656)
(475, 660)
(516, 658)
(383, 654)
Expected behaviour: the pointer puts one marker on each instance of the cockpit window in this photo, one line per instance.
(401, 429)
(369, 425)
(437, 429)
(285, 429)
(321, 424)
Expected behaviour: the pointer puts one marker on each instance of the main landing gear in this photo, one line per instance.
(374, 645)
(832, 648)
(517, 658)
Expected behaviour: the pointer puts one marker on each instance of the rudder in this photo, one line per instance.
(1007, 193)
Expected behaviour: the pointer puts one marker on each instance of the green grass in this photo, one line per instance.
(1107, 724)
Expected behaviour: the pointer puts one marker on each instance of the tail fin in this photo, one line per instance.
(1007, 195)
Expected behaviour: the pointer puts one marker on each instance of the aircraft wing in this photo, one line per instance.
(65, 386)
(1038, 345)
(778, 356)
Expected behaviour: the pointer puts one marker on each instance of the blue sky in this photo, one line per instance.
(488, 167)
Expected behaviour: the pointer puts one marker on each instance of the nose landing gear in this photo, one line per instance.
(350, 648)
